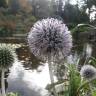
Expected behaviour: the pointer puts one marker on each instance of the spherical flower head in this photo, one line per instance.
(50, 37)
(88, 72)
(6, 56)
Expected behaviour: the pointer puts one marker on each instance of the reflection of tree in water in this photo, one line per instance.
(28, 59)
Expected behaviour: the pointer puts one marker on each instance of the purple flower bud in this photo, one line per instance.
(50, 37)
(88, 72)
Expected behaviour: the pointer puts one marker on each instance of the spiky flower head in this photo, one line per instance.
(88, 72)
(6, 56)
(50, 37)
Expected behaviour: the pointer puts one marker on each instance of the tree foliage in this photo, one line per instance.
(41, 8)
(14, 6)
(72, 14)
(3, 3)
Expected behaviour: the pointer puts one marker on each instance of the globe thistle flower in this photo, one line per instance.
(88, 72)
(6, 56)
(50, 37)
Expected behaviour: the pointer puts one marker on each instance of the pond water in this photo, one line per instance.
(28, 82)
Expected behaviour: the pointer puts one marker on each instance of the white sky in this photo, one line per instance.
(73, 1)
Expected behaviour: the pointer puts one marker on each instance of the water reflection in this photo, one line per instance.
(28, 82)
(28, 59)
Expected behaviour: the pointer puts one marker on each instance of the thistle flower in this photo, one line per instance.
(50, 37)
(6, 56)
(88, 72)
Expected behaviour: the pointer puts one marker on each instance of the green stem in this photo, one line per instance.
(51, 76)
(3, 83)
(0, 94)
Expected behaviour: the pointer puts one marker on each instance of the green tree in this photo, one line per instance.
(14, 6)
(87, 4)
(73, 14)
(3, 3)
(42, 8)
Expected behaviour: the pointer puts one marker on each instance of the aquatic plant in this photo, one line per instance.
(88, 72)
(6, 60)
(50, 40)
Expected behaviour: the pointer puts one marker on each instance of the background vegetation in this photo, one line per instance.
(18, 16)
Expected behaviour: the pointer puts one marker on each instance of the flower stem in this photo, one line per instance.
(3, 83)
(51, 76)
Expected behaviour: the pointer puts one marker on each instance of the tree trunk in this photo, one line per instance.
(3, 83)
(51, 76)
